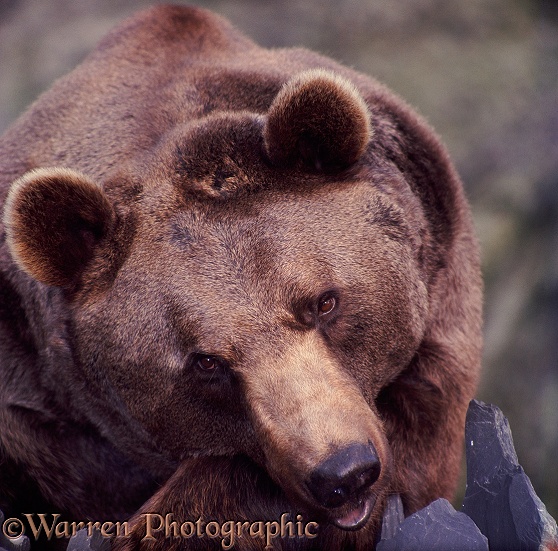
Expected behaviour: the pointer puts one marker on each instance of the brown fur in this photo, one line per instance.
(211, 193)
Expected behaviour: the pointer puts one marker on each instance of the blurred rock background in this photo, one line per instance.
(484, 73)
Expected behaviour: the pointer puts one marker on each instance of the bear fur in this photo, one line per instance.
(221, 266)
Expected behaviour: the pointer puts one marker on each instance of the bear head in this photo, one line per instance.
(250, 289)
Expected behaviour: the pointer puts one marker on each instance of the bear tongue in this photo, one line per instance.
(357, 517)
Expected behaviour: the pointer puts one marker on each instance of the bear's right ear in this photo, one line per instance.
(54, 218)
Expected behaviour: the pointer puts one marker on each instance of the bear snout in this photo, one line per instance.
(323, 443)
(344, 476)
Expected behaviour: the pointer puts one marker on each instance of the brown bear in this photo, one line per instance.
(237, 284)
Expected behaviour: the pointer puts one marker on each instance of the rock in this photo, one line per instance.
(393, 516)
(83, 542)
(499, 496)
(437, 527)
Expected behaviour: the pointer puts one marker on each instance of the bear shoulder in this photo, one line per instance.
(176, 30)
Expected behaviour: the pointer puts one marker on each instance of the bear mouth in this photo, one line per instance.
(356, 517)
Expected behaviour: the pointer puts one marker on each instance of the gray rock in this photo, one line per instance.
(393, 516)
(437, 527)
(83, 542)
(499, 496)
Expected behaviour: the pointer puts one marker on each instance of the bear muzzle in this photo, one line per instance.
(345, 479)
(323, 443)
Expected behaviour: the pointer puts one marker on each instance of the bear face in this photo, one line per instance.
(291, 279)
(241, 305)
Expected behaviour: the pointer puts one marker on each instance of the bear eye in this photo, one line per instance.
(207, 363)
(326, 305)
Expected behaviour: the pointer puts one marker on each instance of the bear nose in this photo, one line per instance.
(344, 475)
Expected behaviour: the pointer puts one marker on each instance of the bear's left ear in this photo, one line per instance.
(54, 218)
(317, 118)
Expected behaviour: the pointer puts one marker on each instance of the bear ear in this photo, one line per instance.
(318, 118)
(54, 218)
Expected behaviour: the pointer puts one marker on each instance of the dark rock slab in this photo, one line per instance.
(393, 516)
(437, 527)
(84, 542)
(499, 496)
